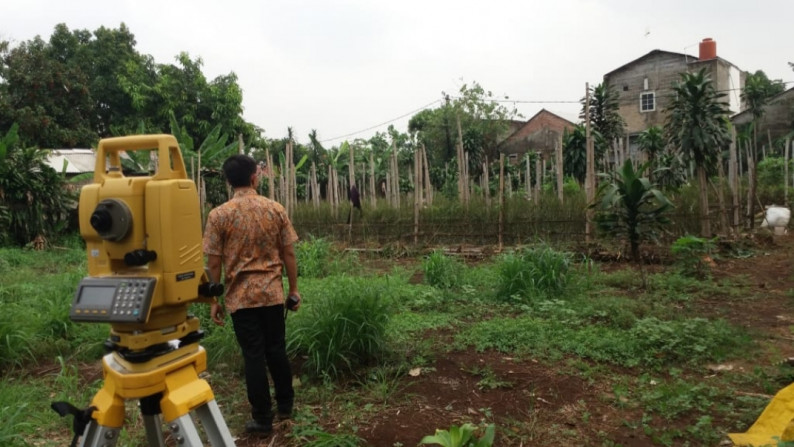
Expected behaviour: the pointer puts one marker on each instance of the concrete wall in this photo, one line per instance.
(656, 73)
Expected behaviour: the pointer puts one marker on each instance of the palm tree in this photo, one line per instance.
(630, 206)
(651, 140)
(605, 115)
(697, 126)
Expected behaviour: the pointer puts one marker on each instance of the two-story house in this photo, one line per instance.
(644, 85)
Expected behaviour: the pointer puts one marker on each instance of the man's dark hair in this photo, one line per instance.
(238, 170)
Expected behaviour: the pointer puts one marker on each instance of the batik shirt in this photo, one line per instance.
(248, 232)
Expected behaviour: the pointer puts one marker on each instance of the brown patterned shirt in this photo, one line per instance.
(248, 233)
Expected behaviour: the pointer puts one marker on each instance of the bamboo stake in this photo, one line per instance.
(538, 177)
(373, 196)
(590, 173)
(560, 173)
(428, 185)
(501, 200)
(529, 179)
(417, 193)
(733, 179)
(785, 169)
(271, 186)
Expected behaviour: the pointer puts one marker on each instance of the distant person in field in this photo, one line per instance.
(355, 201)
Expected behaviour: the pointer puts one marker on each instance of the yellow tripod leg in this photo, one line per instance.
(186, 392)
(773, 425)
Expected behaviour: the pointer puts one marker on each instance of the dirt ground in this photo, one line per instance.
(543, 396)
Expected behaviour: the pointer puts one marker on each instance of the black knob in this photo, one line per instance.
(101, 220)
(210, 289)
(137, 258)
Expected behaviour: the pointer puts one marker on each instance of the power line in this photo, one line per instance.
(383, 123)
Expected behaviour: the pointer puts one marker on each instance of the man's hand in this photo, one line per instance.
(297, 305)
(217, 314)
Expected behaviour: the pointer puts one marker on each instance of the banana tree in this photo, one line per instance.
(631, 207)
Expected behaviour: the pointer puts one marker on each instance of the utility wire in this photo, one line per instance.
(383, 123)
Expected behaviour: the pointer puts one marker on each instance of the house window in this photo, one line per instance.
(647, 102)
(513, 158)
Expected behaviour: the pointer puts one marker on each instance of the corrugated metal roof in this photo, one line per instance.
(77, 161)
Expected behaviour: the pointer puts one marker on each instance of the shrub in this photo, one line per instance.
(442, 271)
(532, 273)
(690, 252)
(343, 329)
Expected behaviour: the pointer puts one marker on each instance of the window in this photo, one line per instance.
(647, 102)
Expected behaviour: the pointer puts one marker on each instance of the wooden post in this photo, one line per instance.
(417, 192)
(373, 192)
(560, 168)
(733, 179)
(428, 185)
(271, 184)
(487, 183)
(501, 200)
(529, 178)
(785, 170)
(590, 173)
(538, 176)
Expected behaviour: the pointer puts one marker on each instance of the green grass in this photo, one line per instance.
(360, 331)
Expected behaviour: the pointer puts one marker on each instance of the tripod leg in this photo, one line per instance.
(152, 422)
(98, 436)
(217, 432)
(184, 431)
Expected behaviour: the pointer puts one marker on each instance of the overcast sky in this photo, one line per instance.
(350, 68)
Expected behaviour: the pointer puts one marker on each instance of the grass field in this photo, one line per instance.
(548, 346)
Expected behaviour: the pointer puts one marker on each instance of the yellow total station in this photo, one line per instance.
(143, 243)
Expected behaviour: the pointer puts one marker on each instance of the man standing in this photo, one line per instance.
(250, 237)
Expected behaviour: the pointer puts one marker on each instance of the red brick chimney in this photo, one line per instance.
(708, 49)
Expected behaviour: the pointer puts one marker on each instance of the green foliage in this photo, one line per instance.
(442, 271)
(317, 258)
(34, 199)
(604, 112)
(650, 342)
(13, 414)
(690, 252)
(310, 434)
(343, 328)
(696, 122)
(462, 436)
(533, 273)
(630, 207)
(771, 184)
(313, 256)
(80, 86)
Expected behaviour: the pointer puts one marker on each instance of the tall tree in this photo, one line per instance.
(604, 114)
(697, 126)
(46, 96)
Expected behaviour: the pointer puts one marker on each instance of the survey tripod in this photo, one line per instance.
(145, 264)
(169, 389)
